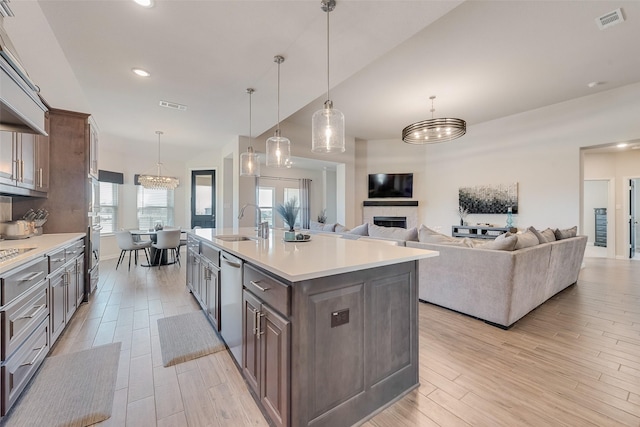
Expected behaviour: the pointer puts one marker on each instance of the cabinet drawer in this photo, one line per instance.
(57, 260)
(211, 254)
(268, 289)
(22, 279)
(21, 317)
(19, 369)
(74, 250)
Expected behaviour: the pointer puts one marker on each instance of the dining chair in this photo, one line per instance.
(167, 240)
(127, 244)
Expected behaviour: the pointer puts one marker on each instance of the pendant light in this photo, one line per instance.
(158, 182)
(278, 147)
(327, 124)
(434, 130)
(249, 161)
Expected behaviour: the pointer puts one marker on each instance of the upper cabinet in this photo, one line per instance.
(42, 159)
(93, 148)
(17, 162)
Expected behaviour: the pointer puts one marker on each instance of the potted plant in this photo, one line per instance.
(462, 213)
(289, 213)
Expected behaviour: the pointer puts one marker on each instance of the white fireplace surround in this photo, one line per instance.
(410, 212)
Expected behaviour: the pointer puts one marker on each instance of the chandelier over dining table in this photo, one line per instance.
(158, 181)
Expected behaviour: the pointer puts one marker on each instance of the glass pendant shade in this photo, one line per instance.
(278, 151)
(327, 130)
(249, 163)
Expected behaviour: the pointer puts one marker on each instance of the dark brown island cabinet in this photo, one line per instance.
(327, 351)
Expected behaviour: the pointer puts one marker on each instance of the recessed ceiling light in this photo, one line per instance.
(145, 3)
(140, 72)
(622, 145)
(594, 84)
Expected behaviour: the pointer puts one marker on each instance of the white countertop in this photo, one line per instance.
(321, 256)
(42, 245)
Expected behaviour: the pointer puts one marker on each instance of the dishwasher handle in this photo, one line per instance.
(231, 263)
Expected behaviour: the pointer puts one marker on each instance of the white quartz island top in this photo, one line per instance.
(41, 245)
(321, 256)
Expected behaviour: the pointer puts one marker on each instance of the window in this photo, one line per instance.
(108, 207)
(290, 193)
(265, 202)
(154, 206)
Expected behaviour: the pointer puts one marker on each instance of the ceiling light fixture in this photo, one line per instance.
(622, 145)
(249, 161)
(140, 72)
(432, 131)
(327, 124)
(158, 182)
(144, 3)
(278, 147)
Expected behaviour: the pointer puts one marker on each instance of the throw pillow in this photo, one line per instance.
(427, 235)
(329, 227)
(340, 228)
(541, 238)
(393, 232)
(549, 235)
(361, 230)
(505, 244)
(566, 233)
(314, 225)
(526, 240)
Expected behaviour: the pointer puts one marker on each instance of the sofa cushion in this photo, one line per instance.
(361, 230)
(566, 233)
(549, 235)
(507, 243)
(393, 232)
(526, 240)
(541, 238)
(427, 235)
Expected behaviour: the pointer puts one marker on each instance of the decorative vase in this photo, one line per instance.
(509, 218)
(289, 235)
(461, 221)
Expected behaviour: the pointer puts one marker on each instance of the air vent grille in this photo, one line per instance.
(610, 19)
(173, 105)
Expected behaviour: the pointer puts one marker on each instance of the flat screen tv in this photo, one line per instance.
(384, 185)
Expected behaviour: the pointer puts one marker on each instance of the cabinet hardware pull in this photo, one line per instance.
(31, 276)
(231, 263)
(37, 355)
(58, 260)
(32, 315)
(255, 283)
(255, 321)
(260, 331)
(21, 170)
(39, 177)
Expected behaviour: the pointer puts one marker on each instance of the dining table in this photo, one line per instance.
(153, 236)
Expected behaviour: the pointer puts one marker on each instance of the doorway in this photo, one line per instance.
(599, 217)
(203, 198)
(634, 211)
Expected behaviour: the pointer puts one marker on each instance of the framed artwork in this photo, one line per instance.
(489, 199)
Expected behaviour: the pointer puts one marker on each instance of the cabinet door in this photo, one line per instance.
(213, 296)
(27, 160)
(79, 280)
(203, 283)
(7, 157)
(93, 150)
(250, 342)
(274, 338)
(42, 160)
(56, 305)
(71, 284)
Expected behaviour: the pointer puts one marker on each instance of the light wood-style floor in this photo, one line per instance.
(574, 361)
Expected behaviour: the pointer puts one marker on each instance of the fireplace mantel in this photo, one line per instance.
(390, 203)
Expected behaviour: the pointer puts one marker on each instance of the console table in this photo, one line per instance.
(479, 231)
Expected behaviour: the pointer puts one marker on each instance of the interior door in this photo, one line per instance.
(203, 199)
(633, 222)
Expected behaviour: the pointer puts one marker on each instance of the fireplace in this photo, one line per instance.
(390, 221)
(406, 210)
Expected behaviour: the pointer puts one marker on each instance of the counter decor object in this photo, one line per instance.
(289, 212)
(292, 236)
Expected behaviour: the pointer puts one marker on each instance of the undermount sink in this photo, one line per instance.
(234, 238)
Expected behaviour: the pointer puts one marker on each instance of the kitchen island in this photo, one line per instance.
(329, 326)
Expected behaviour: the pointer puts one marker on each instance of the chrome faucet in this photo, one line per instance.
(261, 227)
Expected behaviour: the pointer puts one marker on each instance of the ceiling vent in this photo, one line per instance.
(610, 19)
(173, 105)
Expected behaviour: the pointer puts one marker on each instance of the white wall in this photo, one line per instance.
(539, 149)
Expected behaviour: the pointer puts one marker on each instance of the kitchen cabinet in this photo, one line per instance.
(93, 148)
(17, 164)
(42, 159)
(266, 336)
(210, 283)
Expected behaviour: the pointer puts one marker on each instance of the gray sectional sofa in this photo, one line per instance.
(498, 286)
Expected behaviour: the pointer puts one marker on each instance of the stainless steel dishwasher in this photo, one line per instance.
(231, 303)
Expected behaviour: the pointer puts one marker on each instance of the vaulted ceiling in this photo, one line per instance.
(482, 59)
